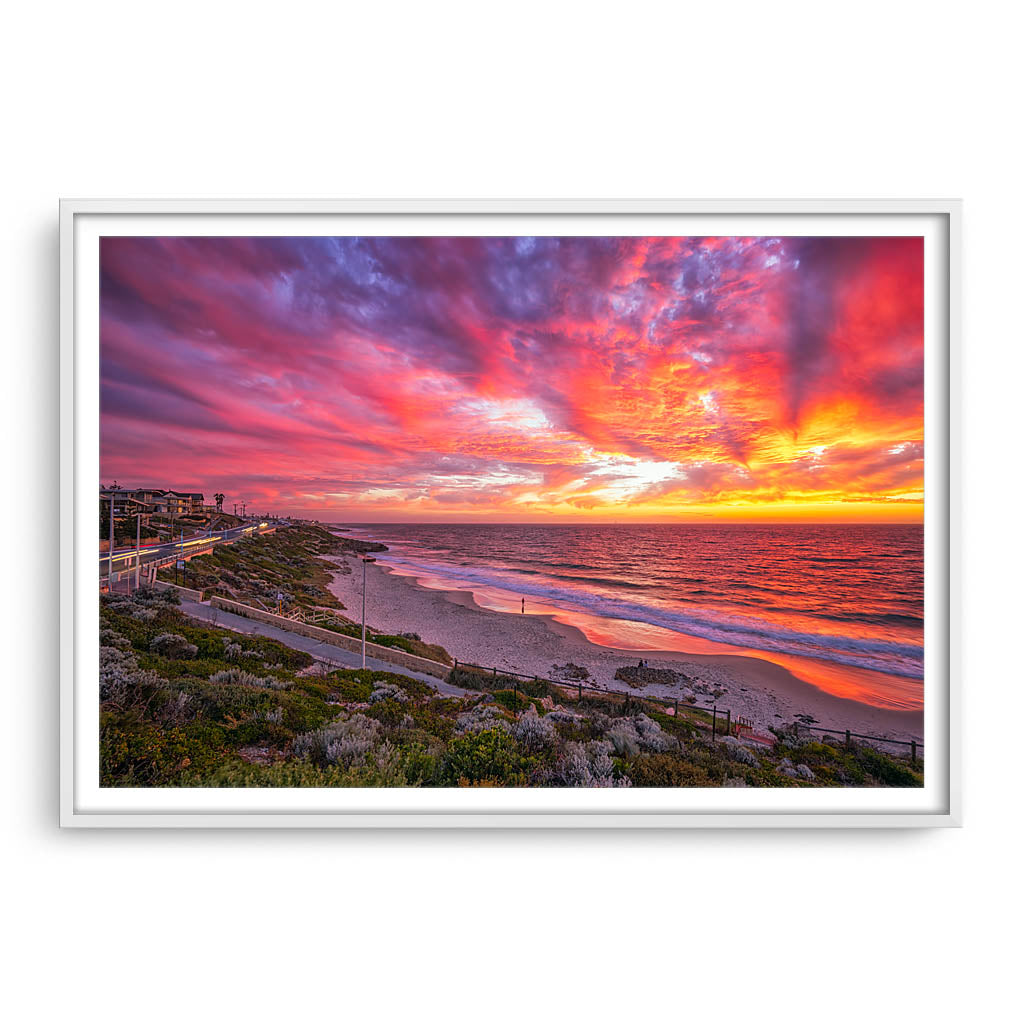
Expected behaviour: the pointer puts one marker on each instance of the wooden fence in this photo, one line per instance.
(729, 726)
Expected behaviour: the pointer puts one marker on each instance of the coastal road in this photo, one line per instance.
(319, 649)
(124, 558)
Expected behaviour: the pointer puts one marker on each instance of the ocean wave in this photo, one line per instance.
(888, 656)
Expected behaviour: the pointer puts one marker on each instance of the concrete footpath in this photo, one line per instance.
(319, 649)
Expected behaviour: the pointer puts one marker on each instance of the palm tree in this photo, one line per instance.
(219, 498)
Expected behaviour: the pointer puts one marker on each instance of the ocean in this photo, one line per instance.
(846, 595)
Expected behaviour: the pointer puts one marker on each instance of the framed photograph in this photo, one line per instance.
(509, 514)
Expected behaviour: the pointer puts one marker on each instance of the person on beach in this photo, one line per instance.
(524, 605)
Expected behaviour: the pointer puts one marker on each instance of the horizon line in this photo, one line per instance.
(530, 522)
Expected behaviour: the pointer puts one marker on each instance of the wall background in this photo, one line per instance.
(532, 99)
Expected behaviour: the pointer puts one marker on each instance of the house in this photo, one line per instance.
(124, 499)
(150, 501)
(184, 502)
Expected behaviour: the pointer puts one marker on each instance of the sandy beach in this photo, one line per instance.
(762, 690)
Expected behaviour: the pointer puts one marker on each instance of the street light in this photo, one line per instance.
(138, 546)
(366, 558)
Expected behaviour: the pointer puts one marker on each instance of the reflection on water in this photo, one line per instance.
(839, 606)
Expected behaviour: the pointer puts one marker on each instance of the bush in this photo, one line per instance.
(533, 733)
(173, 645)
(239, 677)
(344, 742)
(116, 670)
(665, 770)
(489, 756)
(111, 638)
(148, 754)
(390, 714)
(480, 718)
(514, 701)
(631, 735)
(178, 710)
(233, 651)
(388, 691)
(123, 685)
(587, 765)
(887, 770)
(473, 679)
(738, 752)
(433, 652)
(624, 738)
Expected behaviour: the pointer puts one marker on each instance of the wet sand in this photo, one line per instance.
(765, 691)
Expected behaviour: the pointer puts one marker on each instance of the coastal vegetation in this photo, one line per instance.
(291, 562)
(288, 562)
(184, 703)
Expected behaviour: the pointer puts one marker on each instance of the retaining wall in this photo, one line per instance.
(328, 636)
(185, 593)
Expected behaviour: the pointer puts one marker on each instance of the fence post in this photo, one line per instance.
(515, 695)
(847, 737)
(579, 691)
(675, 712)
(728, 722)
(494, 672)
(913, 751)
(456, 664)
(714, 721)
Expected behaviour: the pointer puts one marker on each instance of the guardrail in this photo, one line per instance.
(182, 552)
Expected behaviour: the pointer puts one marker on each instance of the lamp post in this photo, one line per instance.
(110, 550)
(138, 547)
(366, 558)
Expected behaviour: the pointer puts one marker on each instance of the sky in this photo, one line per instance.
(551, 379)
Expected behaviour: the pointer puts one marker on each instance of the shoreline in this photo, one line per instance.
(751, 685)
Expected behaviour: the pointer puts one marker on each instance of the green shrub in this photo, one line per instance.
(144, 754)
(653, 770)
(390, 713)
(517, 701)
(888, 770)
(490, 756)
(433, 652)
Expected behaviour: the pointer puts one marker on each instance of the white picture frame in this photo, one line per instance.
(84, 805)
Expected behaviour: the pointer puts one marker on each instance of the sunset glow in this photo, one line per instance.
(519, 379)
